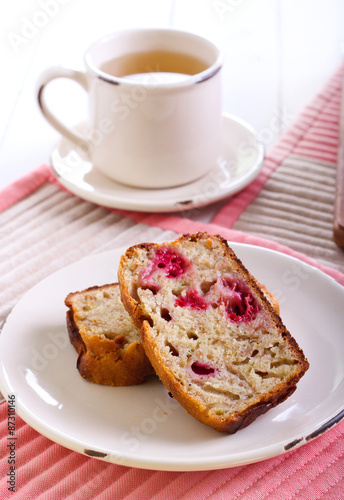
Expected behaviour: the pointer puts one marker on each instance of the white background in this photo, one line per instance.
(278, 54)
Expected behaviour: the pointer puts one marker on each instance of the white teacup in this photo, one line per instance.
(155, 107)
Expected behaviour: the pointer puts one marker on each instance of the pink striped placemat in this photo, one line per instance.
(314, 134)
(48, 470)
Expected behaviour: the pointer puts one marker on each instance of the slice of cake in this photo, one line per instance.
(103, 334)
(108, 344)
(209, 331)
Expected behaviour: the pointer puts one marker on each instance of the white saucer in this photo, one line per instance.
(239, 163)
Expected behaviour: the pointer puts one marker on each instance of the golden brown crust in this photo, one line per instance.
(271, 298)
(179, 392)
(102, 360)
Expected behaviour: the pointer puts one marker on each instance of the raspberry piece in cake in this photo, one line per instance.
(166, 262)
(192, 299)
(202, 369)
(240, 304)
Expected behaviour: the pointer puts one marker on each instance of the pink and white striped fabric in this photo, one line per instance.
(313, 135)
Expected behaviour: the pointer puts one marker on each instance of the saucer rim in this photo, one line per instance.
(181, 203)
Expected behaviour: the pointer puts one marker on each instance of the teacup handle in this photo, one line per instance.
(46, 77)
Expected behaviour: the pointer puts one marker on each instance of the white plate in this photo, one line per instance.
(239, 163)
(141, 426)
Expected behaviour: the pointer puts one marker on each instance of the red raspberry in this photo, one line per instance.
(240, 304)
(167, 261)
(192, 299)
(202, 369)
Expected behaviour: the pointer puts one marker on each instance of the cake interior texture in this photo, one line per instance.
(99, 312)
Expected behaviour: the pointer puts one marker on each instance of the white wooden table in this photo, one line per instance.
(278, 54)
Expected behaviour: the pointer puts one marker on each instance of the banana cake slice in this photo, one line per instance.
(209, 330)
(108, 344)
